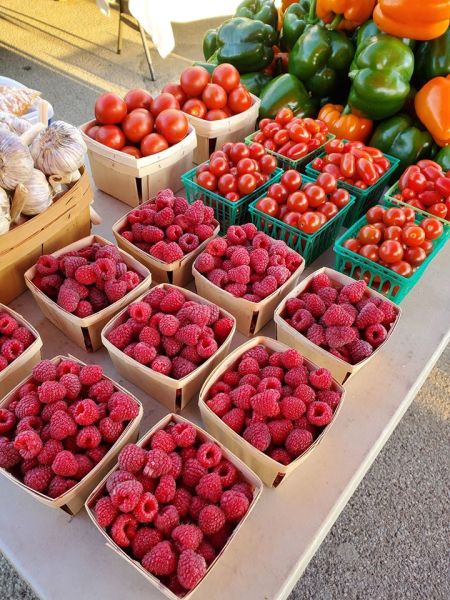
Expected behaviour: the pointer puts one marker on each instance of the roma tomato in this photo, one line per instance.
(284, 115)
(214, 96)
(137, 124)
(177, 92)
(226, 76)
(193, 81)
(153, 143)
(172, 124)
(391, 251)
(163, 102)
(195, 107)
(269, 206)
(298, 151)
(291, 180)
(111, 136)
(281, 137)
(138, 98)
(239, 100)
(110, 109)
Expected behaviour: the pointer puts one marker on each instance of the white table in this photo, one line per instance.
(65, 558)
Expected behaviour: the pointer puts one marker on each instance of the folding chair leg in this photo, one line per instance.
(147, 52)
(119, 31)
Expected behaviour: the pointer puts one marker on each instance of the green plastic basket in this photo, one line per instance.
(287, 163)
(383, 280)
(226, 212)
(364, 198)
(309, 245)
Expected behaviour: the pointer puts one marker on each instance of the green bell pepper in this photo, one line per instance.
(261, 10)
(432, 59)
(286, 90)
(402, 138)
(381, 71)
(209, 43)
(369, 29)
(321, 58)
(246, 44)
(443, 158)
(296, 19)
(255, 82)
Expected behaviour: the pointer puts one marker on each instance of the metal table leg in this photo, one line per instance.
(119, 31)
(147, 52)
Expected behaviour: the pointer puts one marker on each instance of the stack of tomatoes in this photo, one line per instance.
(139, 124)
(237, 170)
(392, 239)
(307, 208)
(352, 162)
(291, 136)
(427, 187)
(211, 97)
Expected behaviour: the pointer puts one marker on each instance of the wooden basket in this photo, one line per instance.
(86, 332)
(175, 394)
(340, 369)
(244, 470)
(271, 472)
(65, 221)
(73, 500)
(135, 180)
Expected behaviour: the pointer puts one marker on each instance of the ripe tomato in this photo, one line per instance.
(256, 150)
(132, 151)
(239, 100)
(153, 143)
(415, 256)
(391, 251)
(219, 166)
(270, 145)
(432, 227)
(278, 192)
(298, 133)
(110, 109)
(267, 164)
(427, 246)
(246, 184)
(226, 76)
(402, 268)
(269, 206)
(232, 196)
(281, 137)
(284, 115)
(292, 219)
(413, 236)
(315, 194)
(217, 114)
(92, 131)
(137, 124)
(370, 251)
(111, 136)
(201, 168)
(138, 98)
(335, 145)
(172, 124)
(193, 81)
(238, 151)
(271, 129)
(246, 165)
(340, 197)
(393, 232)
(438, 210)
(207, 180)
(163, 102)
(227, 183)
(409, 213)
(369, 234)
(327, 182)
(298, 202)
(309, 222)
(352, 244)
(177, 92)
(332, 170)
(195, 107)
(214, 96)
(328, 209)
(394, 216)
(291, 180)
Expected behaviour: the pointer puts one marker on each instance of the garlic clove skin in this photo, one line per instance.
(37, 194)
(5, 212)
(16, 162)
(59, 149)
(14, 124)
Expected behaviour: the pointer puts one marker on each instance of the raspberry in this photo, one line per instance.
(292, 407)
(9, 456)
(204, 263)
(29, 423)
(98, 299)
(59, 486)
(298, 441)
(115, 290)
(71, 384)
(7, 324)
(101, 391)
(117, 477)
(220, 404)
(140, 312)
(280, 455)
(162, 440)
(319, 282)
(279, 430)
(38, 479)
(369, 315)
(291, 359)
(105, 512)
(191, 569)
(125, 495)
(172, 252)
(3, 362)
(206, 347)
(158, 463)
(65, 464)
(122, 407)
(108, 251)
(172, 347)
(85, 412)
(28, 443)
(173, 233)
(165, 490)
(209, 455)
(241, 395)
(155, 297)
(258, 435)
(316, 334)
(143, 353)
(222, 327)
(151, 234)
(293, 305)
(319, 413)
(305, 393)
(11, 349)
(97, 454)
(85, 465)
(265, 287)
(321, 379)
(49, 451)
(328, 295)
(68, 299)
(89, 437)
(150, 336)
(145, 539)
(266, 403)
(123, 530)
(375, 334)
(302, 320)
(339, 336)
(360, 350)
(295, 377)
(27, 406)
(354, 291)
(250, 230)
(110, 430)
(105, 269)
(271, 372)
(86, 274)
(389, 311)
(192, 472)
(90, 374)
(44, 371)
(51, 391)
(146, 507)
(7, 419)
(210, 487)
(211, 519)
(172, 301)
(234, 505)
(187, 537)
(182, 500)
(162, 364)
(160, 560)
(336, 315)
(132, 458)
(167, 519)
(235, 419)
(330, 397)
(188, 242)
(184, 434)
(47, 264)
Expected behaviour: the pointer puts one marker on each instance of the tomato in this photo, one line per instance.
(285, 148)
(227, 183)
(340, 197)
(409, 213)
(292, 219)
(366, 171)
(111, 136)
(429, 197)
(172, 124)
(281, 137)
(201, 168)
(299, 133)
(138, 98)
(381, 227)
(177, 92)
(327, 182)
(260, 178)
(352, 244)
(217, 114)
(369, 234)
(227, 76)
(278, 192)
(239, 100)
(153, 143)
(375, 214)
(432, 227)
(267, 164)
(443, 186)
(309, 222)
(207, 180)
(394, 216)
(137, 124)
(315, 194)
(270, 145)
(413, 236)
(291, 180)
(348, 165)
(219, 166)
(269, 206)
(298, 202)
(284, 115)
(438, 210)
(163, 102)
(259, 137)
(393, 232)
(415, 256)
(246, 184)
(264, 122)
(214, 96)
(110, 109)
(391, 251)
(332, 170)
(271, 129)
(328, 209)
(92, 131)
(246, 165)
(232, 196)
(132, 151)
(256, 150)
(370, 251)
(427, 246)
(238, 151)
(298, 151)
(402, 268)
(193, 81)
(335, 145)
(195, 107)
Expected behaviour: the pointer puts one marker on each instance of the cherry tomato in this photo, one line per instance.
(271, 129)
(415, 256)
(259, 137)
(298, 151)
(260, 178)
(172, 124)
(394, 216)
(216, 114)
(409, 213)
(309, 222)
(298, 133)
(232, 196)
(219, 166)
(291, 180)
(239, 151)
(352, 244)
(375, 214)
(227, 183)
(132, 151)
(348, 165)
(284, 115)
(329, 209)
(246, 165)
(327, 182)
(201, 168)
(292, 219)
(391, 251)
(393, 232)
(177, 92)
(322, 217)
(153, 143)
(369, 234)
(137, 124)
(432, 227)
(438, 210)
(239, 100)
(226, 76)
(332, 170)
(269, 206)
(207, 180)
(315, 194)
(256, 150)
(138, 98)
(366, 170)
(402, 268)
(92, 131)
(193, 81)
(163, 102)
(413, 236)
(317, 164)
(270, 145)
(246, 184)
(111, 136)
(297, 202)
(110, 109)
(278, 192)
(370, 251)
(267, 164)
(195, 107)
(340, 197)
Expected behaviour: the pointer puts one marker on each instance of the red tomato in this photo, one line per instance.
(298, 202)
(391, 251)
(177, 92)
(217, 114)
(92, 131)
(278, 192)
(227, 183)
(195, 107)
(172, 124)
(219, 166)
(335, 145)
(271, 129)
(413, 236)
(238, 151)
(214, 96)
(163, 102)
(110, 109)
(393, 232)
(292, 219)
(340, 197)
(246, 184)
(415, 256)
(298, 151)
(153, 143)
(438, 210)
(427, 246)
(409, 213)
(327, 182)
(315, 194)
(259, 137)
(291, 180)
(246, 165)
(309, 222)
(369, 234)
(203, 167)
(402, 268)
(138, 98)
(193, 81)
(232, 196)
(352, 244)
(218, 153)
(328, 209)
(111, 136)
(432, 227)
(299, 133)
(270, 145)
(370, 251)
(267, 164)
(333, 170)
(256, 150)
(137, 124)
(394, 216)
(285, 148)
(281, 137)
(133, 151)
(269, 206)
(207, 180)
(239, 100)
(284, 115)
(226, 76)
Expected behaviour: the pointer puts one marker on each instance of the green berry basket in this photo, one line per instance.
(226, 212)
(389, 197)
(287, 163)
(309, 245)
(364, 198)
(382, 279)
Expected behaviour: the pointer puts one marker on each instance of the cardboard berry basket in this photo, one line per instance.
(18, 369)
(340, 369)
(175, 394)
(250, 316)
(269, 470)
(212, 135)
(178, 272)
(135, 180)
(249, 476)
(65, 221)
(73, 500)
(86, 332)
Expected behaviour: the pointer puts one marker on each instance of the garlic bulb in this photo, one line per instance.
(5, 215)
(16, 162)
(14, 124)
(38, 195)
(59, 149)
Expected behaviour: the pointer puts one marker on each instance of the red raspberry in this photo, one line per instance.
(314, 304)
(90, 374)
(11, 349)
(360, 350)
(122, 407)
(321, 379)
(210, 487)
(265, 287)
(65, 464)
(266, 403)
(151, 234)
(295, 377)
(328, 295)
(85, 412)
(206, 347)
(302, 320)
(143, 353)
(316, 334)
(155, 297)
(162, 364)
(249, 365)
(150, 336)
(293, 305)
(188, 242)
(51, 391)
(105, 512)
(187, 537)
(68, 299)
(291, 359)
(369, 315)
(169, 325)
(354, 291)
(165, 490)
(102, 390)
(209, 455)
(233, 378)
(162, 440)
(49, 451)
(105, 269)
(389, 311)
(86, 274)
(250, 230)
(192, 472)
(147, 483)
(173, 232)
(117, 477)
(146, 507)
(7, 420)
(9, 456)
(172, 252)
(161, 560)
(71, 384)
(132, 458)
(320, 281)
(44, 371)
(258, 353)
(235, 419)
(158, 463)
(145, 539)
(196, 506)
(218, 277)
(241, 395)
(292, 407)
(7, 324)
(279, 430)
(85, 465)
(28, 443)
(172, 301)
(319, 413)
(167, 519)
(375, 335)
(182, 501)
(258, 435)
(305, 393)
(204, 263)
(120, 336)
(220, 404)
(195, 212)
(29, 423)
(110, 430)
(115, 290)
(280, 455)
(184, 434)
(211, 519)
(123, 530)
(126, 495)
(330, 397)
(97, 454)
(59, 486)
(140, 312)
(89, 437)
(339, 336)
(47, 264)
(234, 505)
(38, 479)
(337, 315)
(298, 441)
(191, 569)
(217, 247)
(3, 362)
(27, 406)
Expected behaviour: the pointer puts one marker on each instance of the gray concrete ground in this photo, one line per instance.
(390, 541)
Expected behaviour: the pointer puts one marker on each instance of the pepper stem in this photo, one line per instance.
(335, 22)
(312, 10)
(347, 110)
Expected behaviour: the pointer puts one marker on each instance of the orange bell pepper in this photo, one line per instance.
(342, 125)
(432, 104)
(415, 19)
(345, 14)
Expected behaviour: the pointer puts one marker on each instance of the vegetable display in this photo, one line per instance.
(345, 124)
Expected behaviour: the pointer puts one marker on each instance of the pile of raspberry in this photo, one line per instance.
(275, 401)
(14, 339)
(169, 333)
(247, 263)
(85, 281)
(345, 320)
(60, 424)
(174, 504)
(168, 227)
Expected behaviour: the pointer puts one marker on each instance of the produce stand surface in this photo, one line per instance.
(64, 557)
